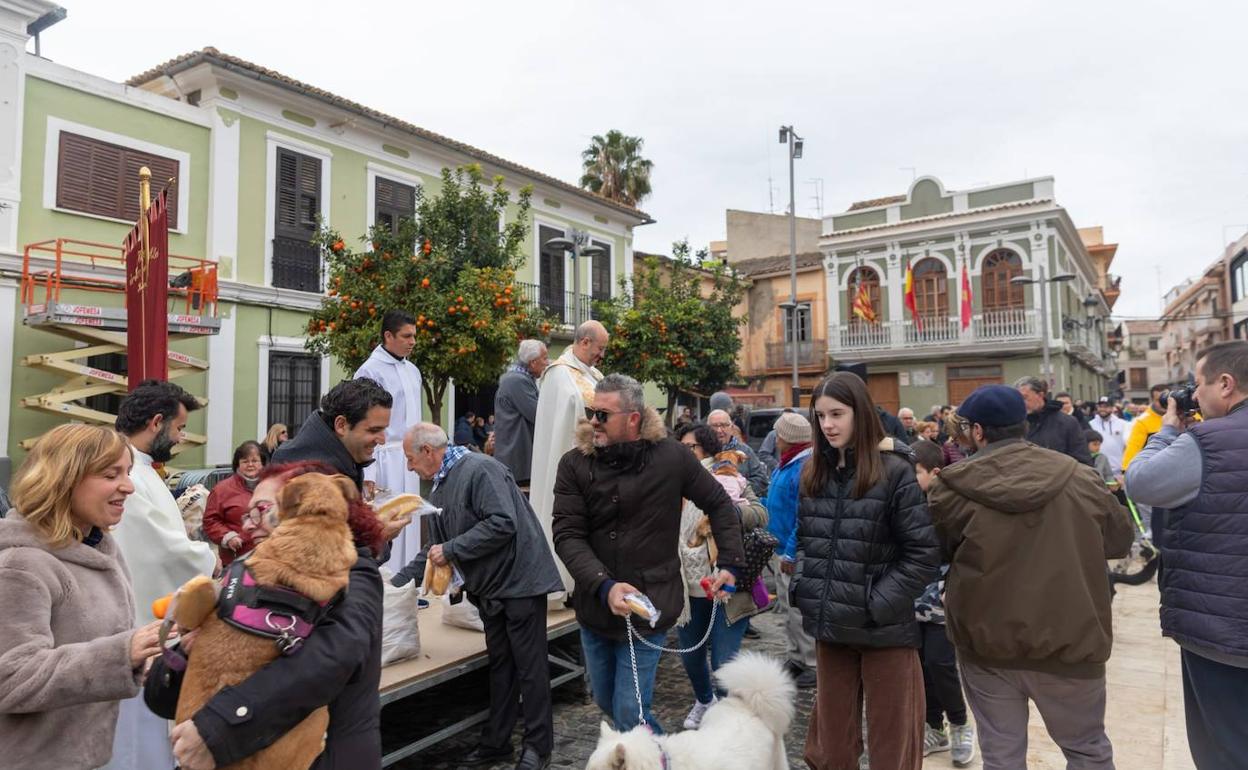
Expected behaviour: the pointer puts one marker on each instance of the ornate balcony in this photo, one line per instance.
(811, 353)
(1015, 327)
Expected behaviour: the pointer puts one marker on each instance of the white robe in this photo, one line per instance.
(160, 558)
(566, 388)
(401, 379)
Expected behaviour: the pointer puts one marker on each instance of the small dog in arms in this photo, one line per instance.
(743, 731)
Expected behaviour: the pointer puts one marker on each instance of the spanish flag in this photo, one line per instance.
(911, 302)
(862, 304)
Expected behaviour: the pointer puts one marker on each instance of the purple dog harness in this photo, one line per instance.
(281, 614)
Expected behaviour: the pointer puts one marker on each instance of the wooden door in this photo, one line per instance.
(885, 391)
(963, 380)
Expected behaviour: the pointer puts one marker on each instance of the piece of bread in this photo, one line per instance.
(437, 579)
(399, 505)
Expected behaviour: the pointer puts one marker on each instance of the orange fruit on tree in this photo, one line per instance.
(424, 283)
(338, 246)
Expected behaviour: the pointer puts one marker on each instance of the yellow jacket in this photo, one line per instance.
(1142, 427)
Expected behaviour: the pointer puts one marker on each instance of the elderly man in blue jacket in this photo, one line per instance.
(793, 437)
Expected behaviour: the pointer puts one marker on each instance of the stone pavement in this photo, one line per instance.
(1144, 719)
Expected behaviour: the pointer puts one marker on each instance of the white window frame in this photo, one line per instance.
(266, 345)
(51, 165)
(273, 140)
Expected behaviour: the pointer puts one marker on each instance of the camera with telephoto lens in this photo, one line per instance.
(1184, 399)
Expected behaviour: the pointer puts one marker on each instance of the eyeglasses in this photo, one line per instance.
(690, 445)
(601, 415)
(261, 509)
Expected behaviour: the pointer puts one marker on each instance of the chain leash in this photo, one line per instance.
(632, 654)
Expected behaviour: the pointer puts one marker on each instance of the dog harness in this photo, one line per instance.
(281, 614)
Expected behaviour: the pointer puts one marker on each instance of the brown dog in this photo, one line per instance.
(310, 551)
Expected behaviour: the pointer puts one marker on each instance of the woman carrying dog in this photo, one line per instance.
(695, 562)
(866, 550)
(69, 651)
(338, 665)
(229, 502)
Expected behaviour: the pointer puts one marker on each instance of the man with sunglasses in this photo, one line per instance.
(566, 388)
(617, 502)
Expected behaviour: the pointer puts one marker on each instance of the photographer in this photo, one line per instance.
(1197, 471)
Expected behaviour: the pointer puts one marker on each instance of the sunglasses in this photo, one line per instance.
(601, 415)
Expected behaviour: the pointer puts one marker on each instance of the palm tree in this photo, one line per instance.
(615, 169)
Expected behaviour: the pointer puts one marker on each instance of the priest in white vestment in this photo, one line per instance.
(566, 388)
(158, 553)
(388, 366)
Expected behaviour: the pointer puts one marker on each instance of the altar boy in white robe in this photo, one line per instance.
(566, 388)
(153, 541)
(389, 367)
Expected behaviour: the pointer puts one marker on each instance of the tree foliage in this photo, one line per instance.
(674, 326)
(614, 168)
(452, 268)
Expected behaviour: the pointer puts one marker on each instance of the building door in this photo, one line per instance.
(885, 391)
(963, 380)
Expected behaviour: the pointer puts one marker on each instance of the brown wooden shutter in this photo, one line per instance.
(393, 201)
(101, 178)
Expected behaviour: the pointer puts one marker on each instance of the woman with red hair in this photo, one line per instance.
(339, 665)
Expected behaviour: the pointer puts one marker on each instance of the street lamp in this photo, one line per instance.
(789, 136)
(1043, 283)
(574, 245)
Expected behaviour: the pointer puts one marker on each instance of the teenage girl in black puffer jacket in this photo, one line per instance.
(866, 550)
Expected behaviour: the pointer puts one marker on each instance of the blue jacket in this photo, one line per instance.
(781, 504)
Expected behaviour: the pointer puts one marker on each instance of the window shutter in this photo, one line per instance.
(393, 201)
(309, 191)
(287, 183)
(101, 178)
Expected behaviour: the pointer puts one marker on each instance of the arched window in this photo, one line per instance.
(931, 289)
(998, 269)
(870, 281)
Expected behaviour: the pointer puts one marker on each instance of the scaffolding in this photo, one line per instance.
(48, 267)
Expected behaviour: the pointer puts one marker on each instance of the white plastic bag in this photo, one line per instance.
(464, 614)
(400, 632)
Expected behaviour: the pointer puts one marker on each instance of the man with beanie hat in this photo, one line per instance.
(1026, 532)
(793, 437)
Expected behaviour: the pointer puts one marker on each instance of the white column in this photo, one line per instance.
(1040, 257)
(223, 186)
(832, 300)
(221, 385)
(12, 96)
(8, 322)
(896, 285)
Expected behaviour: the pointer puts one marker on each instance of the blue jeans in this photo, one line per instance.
(723, 645)
(611, 677)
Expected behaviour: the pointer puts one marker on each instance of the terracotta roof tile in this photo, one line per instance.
(874, 202)
(937, 217)
(213, 56)
(776, 264)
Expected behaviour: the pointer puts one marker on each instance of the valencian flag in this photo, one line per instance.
(147, 293)
(911, 302)
(862, 303)
(966, 298)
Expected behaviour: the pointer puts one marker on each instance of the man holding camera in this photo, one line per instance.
(1198, 471)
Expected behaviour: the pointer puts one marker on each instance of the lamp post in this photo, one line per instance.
(1043, 284)
(574, 245)
(789, 136)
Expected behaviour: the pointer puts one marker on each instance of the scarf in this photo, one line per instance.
(794, 451)
(453, 455)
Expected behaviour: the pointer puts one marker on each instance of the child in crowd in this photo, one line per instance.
(1099, 461)
(941, 682)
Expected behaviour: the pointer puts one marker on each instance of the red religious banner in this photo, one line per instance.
(147, 289)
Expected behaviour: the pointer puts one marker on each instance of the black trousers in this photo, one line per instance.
(1213, 699)
(941, 683)
(515, 641)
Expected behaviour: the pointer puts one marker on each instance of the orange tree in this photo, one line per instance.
(674, 326)
(452, 268)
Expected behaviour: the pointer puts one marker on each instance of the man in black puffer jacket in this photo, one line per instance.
(1048, 426)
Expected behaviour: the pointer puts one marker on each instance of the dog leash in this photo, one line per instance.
(632, 656)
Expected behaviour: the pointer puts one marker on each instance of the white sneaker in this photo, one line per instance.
(696, 713)
(963, 740)
(934, 740)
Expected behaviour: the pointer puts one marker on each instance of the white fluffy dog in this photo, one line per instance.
(744, 730)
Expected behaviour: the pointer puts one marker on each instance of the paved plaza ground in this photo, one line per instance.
(1145, 714)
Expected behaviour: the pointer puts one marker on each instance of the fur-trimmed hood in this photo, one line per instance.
(652, 431)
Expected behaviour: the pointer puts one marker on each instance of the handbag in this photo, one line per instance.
(759, 544)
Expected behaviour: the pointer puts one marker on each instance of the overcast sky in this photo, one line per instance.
(1138, 109)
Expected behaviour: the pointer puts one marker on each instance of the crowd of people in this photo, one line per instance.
(927, 571)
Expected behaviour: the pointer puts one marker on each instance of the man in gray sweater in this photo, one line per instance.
(488, 532)
(515, 409)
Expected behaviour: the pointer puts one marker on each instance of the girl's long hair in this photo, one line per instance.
(366, 528)
(44, 484)
(270, 438)
(850, 390)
